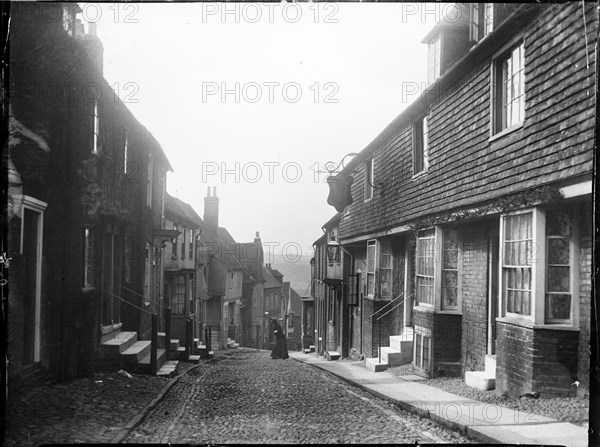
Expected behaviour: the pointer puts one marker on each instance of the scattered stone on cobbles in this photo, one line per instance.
(571, 409)
(251, 398)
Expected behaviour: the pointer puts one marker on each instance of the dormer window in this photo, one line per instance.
(434, 59)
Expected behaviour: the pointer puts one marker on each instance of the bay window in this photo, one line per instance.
(438, 279)
(539, 268)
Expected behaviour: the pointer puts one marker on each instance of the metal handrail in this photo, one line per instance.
(377, 311)
(393, 308)
(127, 302)
(396, 306)
(153, 302)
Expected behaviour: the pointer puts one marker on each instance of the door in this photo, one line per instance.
(32, 219)
(111, 279)
(493, 287)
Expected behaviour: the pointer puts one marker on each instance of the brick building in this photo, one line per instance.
(471, 213)
(86, 205)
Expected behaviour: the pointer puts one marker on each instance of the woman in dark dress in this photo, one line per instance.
(280, 349)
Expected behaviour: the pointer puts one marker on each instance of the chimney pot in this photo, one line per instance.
(208, 191)
(257, 234)
(214, 191)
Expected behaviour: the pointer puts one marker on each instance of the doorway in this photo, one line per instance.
(111, 281)
(32, 227)
(493, 278)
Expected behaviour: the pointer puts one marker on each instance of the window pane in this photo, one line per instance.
(418, 347)
(425, 353)
(386, 261)
(559, 279)
(386, 282)
(559, 223)
(449, 288)
(526, 305)
(558, 306)
(559, 251)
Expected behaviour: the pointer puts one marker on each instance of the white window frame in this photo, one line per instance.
(488, 18)
(174, 243)
(369, 178)
(497, 89)
(574, 275)
(149, 180)
(537, 222)
(420, 141)
(385, 246)
(435, 270)
(538, 273)
(434, 55)
(438, 266)
(418, 356)
(369, 273)
(125, 151)
(96, 129)
(88, 261)
(183, 239)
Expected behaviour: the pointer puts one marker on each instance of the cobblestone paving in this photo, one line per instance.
(90, 410)
(247, 397)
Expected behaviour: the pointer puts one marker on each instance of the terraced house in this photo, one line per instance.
(470, 218)
(86, 204)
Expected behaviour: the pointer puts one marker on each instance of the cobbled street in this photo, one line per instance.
(247, 397)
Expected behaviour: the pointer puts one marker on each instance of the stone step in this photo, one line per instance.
(490, 364)
(143, 366)
(332, 355)
(110, 331)
(174, 345)
(168, 369)
(373, 364)
(394, 357)
(402, 343)
(481, 380)
(136, 352)
(312, 348)
(119, 343)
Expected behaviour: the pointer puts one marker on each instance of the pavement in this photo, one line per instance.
(481, 421)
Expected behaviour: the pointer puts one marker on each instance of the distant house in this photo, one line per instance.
(182, 293)
(471, 217)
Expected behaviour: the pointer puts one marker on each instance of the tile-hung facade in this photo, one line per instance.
(473, 208)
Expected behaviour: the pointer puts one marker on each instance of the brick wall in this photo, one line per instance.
(445, 331)
(474, 295)
(536, 360)
(514, 363)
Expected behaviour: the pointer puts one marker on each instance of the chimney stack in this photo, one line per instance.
(211, 209)
(93, 46)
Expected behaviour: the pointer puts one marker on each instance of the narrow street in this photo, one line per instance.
(247, 397)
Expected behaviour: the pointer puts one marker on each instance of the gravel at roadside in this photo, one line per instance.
(570, 409)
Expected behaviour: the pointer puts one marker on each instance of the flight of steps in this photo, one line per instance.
(232, 343)
(399, 352)
(123, 350)
(483, 380)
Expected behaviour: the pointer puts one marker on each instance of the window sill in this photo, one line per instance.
(530, 324)
(368, 200)
(424, 308)
(419, 174)
(88, 289)
(506, 131)
(448, 312)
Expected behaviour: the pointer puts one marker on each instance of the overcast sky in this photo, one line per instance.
(255, 98)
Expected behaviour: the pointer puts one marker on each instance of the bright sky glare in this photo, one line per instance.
(255, 98)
